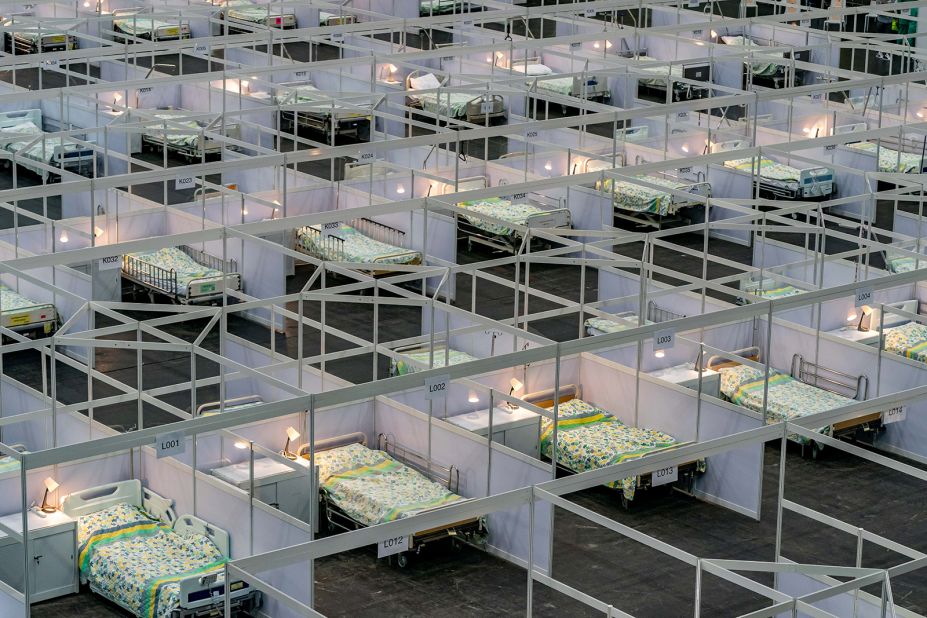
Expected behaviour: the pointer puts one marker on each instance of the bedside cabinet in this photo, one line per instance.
(686, 375)
(275, 484)
(518, 429)
(866, 337)
(53, 549)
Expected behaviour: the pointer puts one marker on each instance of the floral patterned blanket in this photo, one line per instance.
(500, 209)
(421, 358)
(781, 291)
(908, 340)
(12, 301)
(589, 438)
(788, 398)
(138, 562)
(597, 326)
(357, 247)
(890, 160)
(769, 169)
(373, 488)
(172, 258)
(905, 264)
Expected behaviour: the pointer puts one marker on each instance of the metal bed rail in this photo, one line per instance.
(331, 246)
(447, 476)
(150, 275)
(210, 261)
(379, 231)
(657, 314)
(832, 380)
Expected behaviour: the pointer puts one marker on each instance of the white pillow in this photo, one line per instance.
(425, 82)
(737, 40)
(533, 69)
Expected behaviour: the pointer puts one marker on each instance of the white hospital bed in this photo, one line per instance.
(21, 132)
(29, 35)
(319, 112)
(543, 78)
(176, 131)
(475, 108)
(138, 22)
(779, 180)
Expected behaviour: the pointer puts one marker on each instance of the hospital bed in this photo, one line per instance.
(770, 73)
(24, 315)
(359, 240)
(185, 275)
(626, 320)
(8, 463)
(137, 22)
(475, 108)
(427, 8)
(503, 234)
(361, 487)
(584, 86)
(245, 13)
(325, 115)
(654, 88)
(890, 160)
(335, 19)
(895, 263)
(21, 133)
(231, 405)
(134, 551)
(640, 203)
(768, 288)
(30, 38)
(781, 181)
(189, 144)
(808, 389)
(589, 438)
(418, 357)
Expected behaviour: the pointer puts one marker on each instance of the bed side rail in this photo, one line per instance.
(855, 387)
(379, 231)
(720, 361)
(447, 476)
(210, 261)
(655, 313)
(331, 246)
(150, 275)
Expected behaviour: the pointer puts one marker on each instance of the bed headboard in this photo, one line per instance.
(188, 525)
(327, 444)
(720, 361)
(134, 10)
(633, 134)
(467, 184)
(893, 319)
(102, 497)
(736, 144)
(422, 73)
(850, 128)
(545, 398)
(11, 119)
(213, 406)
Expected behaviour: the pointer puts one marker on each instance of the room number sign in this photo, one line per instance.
(664, 476)
(863, 296)
(173, 443)
(436, 387)
(664, 339)
(895, 415)
(393, 545)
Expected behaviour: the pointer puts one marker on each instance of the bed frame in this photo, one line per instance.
(751, 285)
(164, 281)
(368, 227)
(161, 33)
(554, 216)
(888, 142)
(587, 85)
(27, 40)
(687, 470)
(343, 121)
(479, 108)
(42, 317)
(472, 530)
(655, 315)
(777, 79)
(155, 138)
(70, 156)
(459, 6)
(814, 183)
(699, 188)
(412, 348)
(819, 376)
(212, 407)
(280, 21)
(199, 596)
(656, 92)
(336, 19)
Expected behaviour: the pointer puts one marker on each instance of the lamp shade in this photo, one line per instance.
(516, 384)
(291, 433)
(51, 484)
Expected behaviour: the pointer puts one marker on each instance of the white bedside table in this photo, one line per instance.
(275, 484)
(866, 337)
(517, 429)
(686, 375)
(53, 549)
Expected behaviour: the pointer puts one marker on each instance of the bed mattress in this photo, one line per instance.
(175, 139)
(12, 302)
(8, 464)
(778, 292)
(452, 104)
(373, 488)
(674, 70)
(763, 69)
(788, 398)
(138, 562)
(422, 356)
(357, 247)
(141, 26)
(307, 93)
(908, 340)
(598, 326)
(557, 85)
(427, 7)
(500, 209)
(254, 13)
(589, 438)
(187, 269)
(905, 264)
(39, 151)
(890, 160)
(638, 198)
(769, 170)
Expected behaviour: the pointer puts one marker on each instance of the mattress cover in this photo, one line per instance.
(454, 357)
(500, 209)
(768, 169)
(638, 198)
(905, 264)
(890, 160)
(172, 258)
(908, 340)
(788, 398)
(138, 562)
(604, 325)
(589, 438)
(13, 302)
(373, 488)
(763, 69)
(357, 247)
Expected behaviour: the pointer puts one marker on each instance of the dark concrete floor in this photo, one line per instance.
(42, 79)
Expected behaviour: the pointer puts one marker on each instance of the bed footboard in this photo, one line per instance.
(556, 218)
(490, 106)
(202, 595)
(817, 182)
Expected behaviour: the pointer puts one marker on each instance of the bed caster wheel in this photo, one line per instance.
(402, 560)
(625, 503)
(456, 545)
